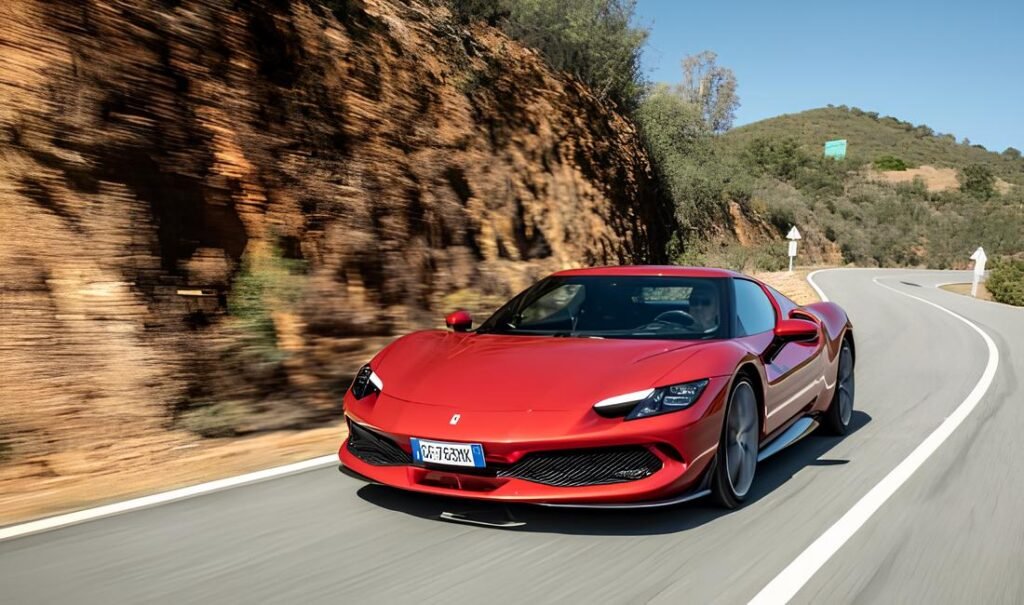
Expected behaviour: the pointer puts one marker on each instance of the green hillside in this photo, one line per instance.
(871, 137)
(775, 174)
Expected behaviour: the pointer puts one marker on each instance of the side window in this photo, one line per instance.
(754, 312)
(552, 306)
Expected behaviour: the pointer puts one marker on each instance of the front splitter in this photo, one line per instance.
(680, 499)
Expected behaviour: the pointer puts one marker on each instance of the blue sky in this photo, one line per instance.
(957, 66)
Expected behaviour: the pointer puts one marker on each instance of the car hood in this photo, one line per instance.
(490, 372)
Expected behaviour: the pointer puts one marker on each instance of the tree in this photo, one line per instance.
(679, 143)
(711, 88)
(977, 180)
(594, 40)
(1012, 153)
(671, 124)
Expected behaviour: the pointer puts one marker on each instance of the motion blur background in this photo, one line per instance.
(213, 212)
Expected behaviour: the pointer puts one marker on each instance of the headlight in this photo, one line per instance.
(366, 383)
(652, 402)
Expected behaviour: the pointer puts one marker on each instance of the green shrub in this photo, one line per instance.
(977, 180)
(781, 214)
(697, 180)
(213, 420)
(1006, 281)
(265, 283)
(781, 157)
(822, 177)
(762, 257)
(888, 162)
(591, 39)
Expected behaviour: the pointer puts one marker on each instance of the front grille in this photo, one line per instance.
(373, 448)
(559, 469)
(588, 467)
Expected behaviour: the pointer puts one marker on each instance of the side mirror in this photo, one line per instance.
(459, 321)
(796, 329)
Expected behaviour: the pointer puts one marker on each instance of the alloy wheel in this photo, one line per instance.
(741, 439)
(845, 385)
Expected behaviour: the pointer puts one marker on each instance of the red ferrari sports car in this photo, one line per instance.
(605, 387)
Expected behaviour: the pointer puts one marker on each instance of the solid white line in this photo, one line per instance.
(81, 516)
(810, 280)
(785, 586)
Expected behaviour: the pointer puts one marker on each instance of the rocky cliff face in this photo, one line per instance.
(213, 210)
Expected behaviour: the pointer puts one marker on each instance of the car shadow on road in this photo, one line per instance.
(771, 474)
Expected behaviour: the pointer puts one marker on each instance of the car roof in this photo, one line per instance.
(653, 270)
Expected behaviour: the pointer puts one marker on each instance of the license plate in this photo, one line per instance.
(443, 452)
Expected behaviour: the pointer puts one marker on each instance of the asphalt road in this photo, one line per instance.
(952, 533)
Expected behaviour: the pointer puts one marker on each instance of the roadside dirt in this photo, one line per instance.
(793, 285)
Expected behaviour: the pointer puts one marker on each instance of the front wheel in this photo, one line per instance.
(840, 411)
(737, 448)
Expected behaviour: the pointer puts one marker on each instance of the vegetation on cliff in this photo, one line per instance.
(594, 40)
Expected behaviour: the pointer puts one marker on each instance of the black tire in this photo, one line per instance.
(736, 462)
(840, 411)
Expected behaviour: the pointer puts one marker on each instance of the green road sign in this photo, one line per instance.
(835, 149)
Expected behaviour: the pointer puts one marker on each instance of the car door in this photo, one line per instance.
(792, 369)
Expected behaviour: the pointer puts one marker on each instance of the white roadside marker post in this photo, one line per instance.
(792, 236)
(979, 259)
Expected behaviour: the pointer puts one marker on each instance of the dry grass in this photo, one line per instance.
(935, 179)
(793, 285)
(965, 289)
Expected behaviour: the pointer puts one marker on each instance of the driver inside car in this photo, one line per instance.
(704, 309)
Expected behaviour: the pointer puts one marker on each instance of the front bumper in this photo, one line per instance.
(656, 460)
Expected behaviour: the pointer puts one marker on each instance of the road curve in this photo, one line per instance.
(953, 532)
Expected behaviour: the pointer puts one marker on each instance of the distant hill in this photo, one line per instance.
(949, 198)
(871, 136)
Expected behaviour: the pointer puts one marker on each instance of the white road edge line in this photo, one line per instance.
(786, 585)
(90, 514)
(810, 280)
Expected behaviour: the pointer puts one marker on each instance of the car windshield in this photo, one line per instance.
(615, 307)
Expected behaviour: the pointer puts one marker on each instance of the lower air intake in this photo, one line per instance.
(589, 467)
(373, 448)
